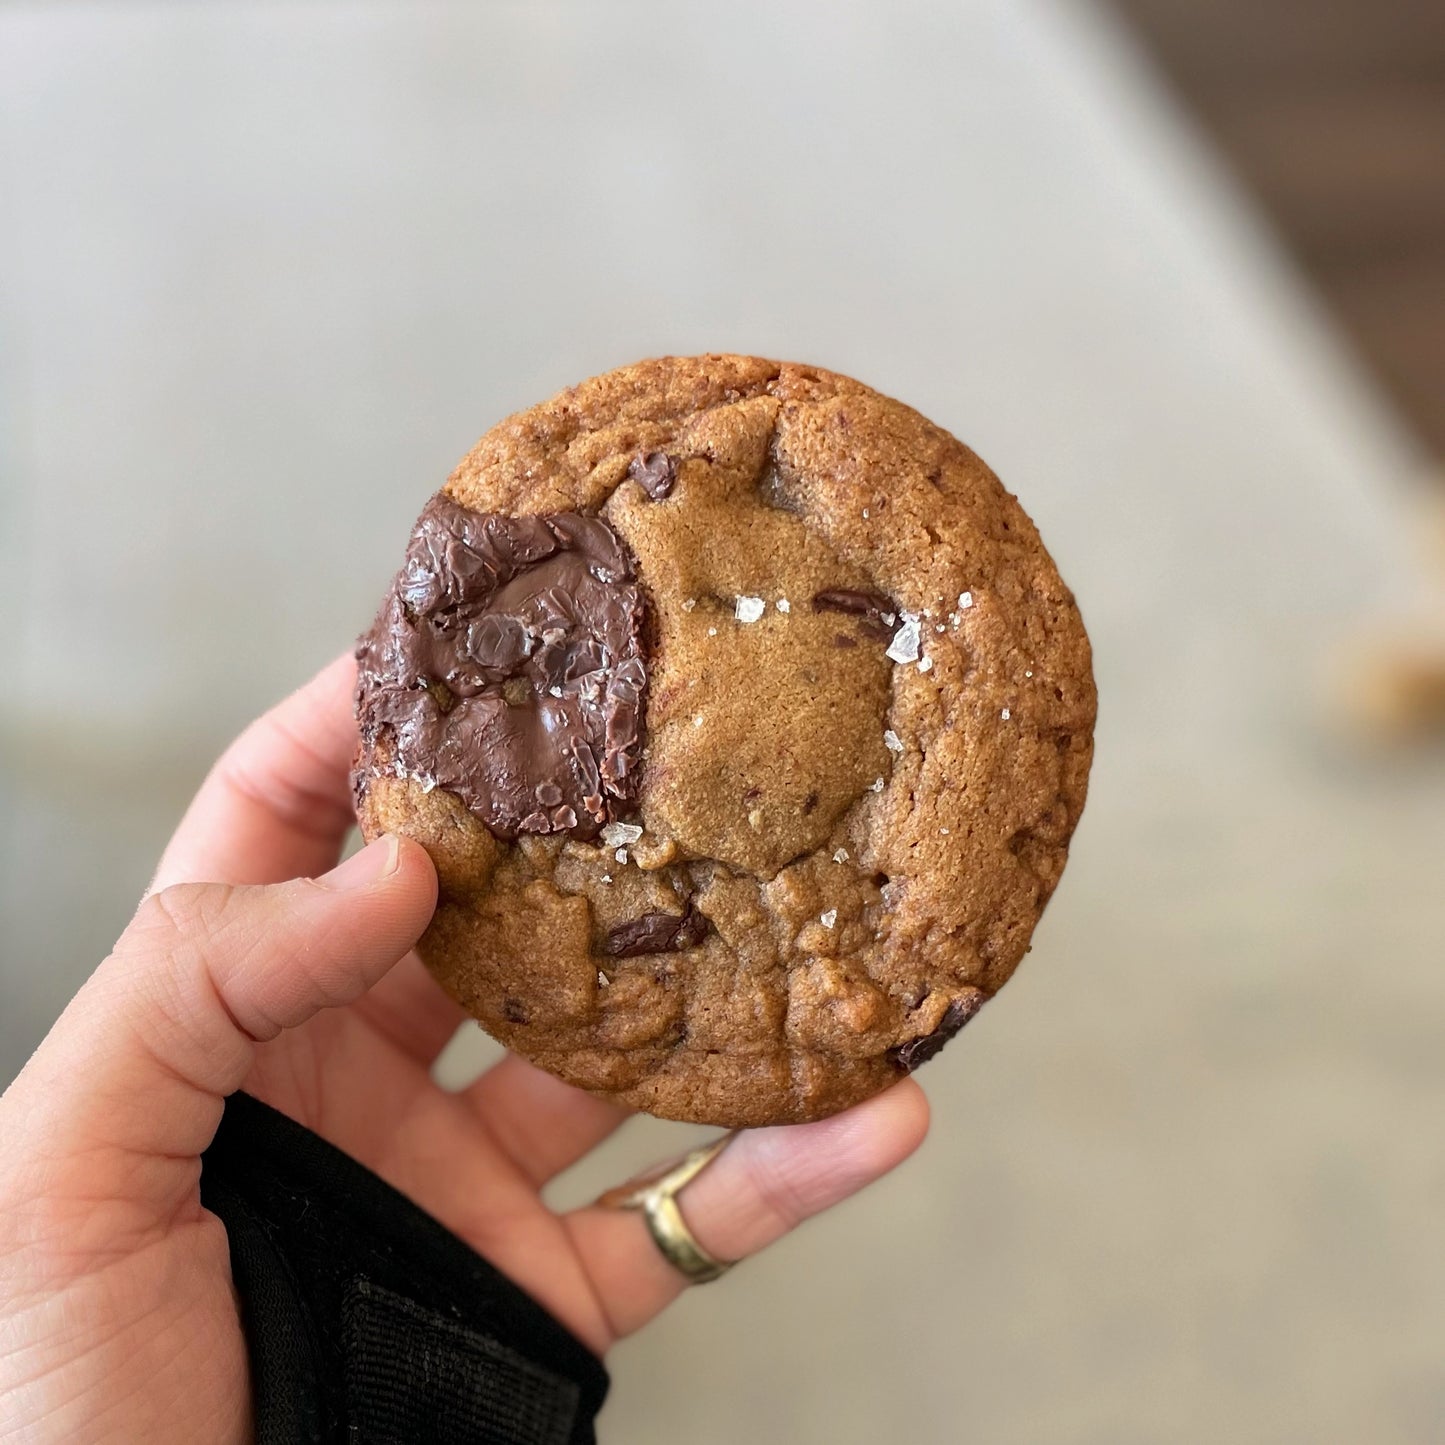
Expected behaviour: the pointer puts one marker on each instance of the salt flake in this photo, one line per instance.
(841, 856)
(829, 918)
(689, 603)
(615, 834)
(784, 605)
(749, 609)
(892, 741)
(1006, 714)
(712, 632)
(607, 878)
(877, 786)
(965, 601)
(621, 855)
(905, 644)
(602, 978)
(925, 664)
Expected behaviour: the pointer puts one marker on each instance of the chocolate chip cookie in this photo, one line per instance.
(746, 720)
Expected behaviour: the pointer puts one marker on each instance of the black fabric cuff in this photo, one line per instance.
(368, 1322)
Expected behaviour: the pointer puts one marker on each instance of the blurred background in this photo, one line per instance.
(1176, 270)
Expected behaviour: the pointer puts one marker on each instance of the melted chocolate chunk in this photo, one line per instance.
(907, 1057)
(656, 933)
(531, 629)
(876, 610)
(655, 474)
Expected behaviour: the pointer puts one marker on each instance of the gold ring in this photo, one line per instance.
(655, 1197)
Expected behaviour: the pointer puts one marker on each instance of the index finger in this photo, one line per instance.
(278, 803)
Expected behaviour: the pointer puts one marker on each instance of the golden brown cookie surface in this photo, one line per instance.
(861, 744)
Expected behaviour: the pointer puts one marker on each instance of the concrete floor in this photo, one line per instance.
(265, 272)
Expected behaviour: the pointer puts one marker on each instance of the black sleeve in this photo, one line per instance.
(369, 1323)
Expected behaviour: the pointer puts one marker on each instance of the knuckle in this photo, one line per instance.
(183, 910)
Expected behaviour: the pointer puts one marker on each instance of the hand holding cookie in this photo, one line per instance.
(718, 746)
(257, 963)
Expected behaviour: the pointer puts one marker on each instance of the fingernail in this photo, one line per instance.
(376, 861)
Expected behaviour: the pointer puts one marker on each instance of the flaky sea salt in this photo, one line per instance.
(555, 691)
(877, 786)
(621, 855)
(688, 603)
(965, 601)
(892, 741)
(905, 644)
(1028, 672)
(865, 514)
(1006, 714)
(944, 831)
(616, 834)
(697, 721)
(602, 978)
(607, 878)
(925, 664)
(784, 605)
(712, 632)
(829, 918)
(749, 609)
(841, 856)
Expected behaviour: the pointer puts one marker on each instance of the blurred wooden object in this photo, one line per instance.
(1391, 690)
(1396, 694)
(1333, 113)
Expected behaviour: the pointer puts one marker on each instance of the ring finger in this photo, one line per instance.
(764, 1184)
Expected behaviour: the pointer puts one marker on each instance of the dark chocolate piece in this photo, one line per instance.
(846, 599)
(655, 474)
(877, 611)
(693, 931)
(908, 1056)
(656, 933)
(532, 626)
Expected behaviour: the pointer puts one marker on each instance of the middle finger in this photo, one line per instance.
(543, 1125)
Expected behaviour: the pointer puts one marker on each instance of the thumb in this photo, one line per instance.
(168, 1025)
